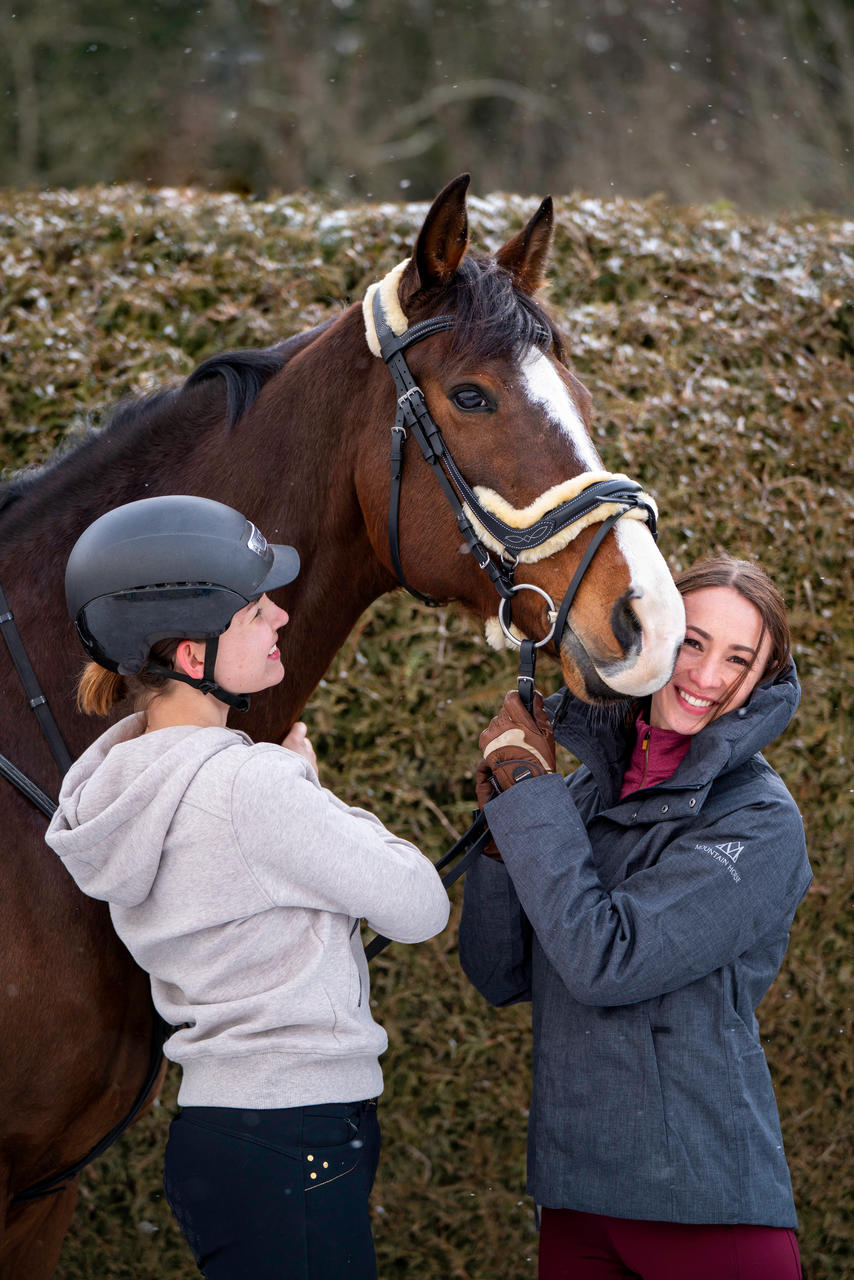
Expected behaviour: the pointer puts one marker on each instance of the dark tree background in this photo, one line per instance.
(746, 100)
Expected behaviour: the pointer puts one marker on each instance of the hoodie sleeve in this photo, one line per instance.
(691, 912)
(306, 848)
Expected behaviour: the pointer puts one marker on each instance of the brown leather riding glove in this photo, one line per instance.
(516, 745)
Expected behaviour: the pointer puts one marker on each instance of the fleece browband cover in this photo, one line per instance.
(395, 317)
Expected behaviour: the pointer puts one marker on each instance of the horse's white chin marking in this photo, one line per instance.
(545, 388)
(659, 610)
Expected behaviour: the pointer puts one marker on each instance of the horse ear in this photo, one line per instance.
(526, 255)
(443, 238)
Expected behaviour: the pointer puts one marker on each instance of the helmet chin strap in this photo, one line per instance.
(207, 684)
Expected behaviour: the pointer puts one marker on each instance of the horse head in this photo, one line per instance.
(504, 425)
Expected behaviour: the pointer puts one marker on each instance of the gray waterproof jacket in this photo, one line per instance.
(646, 931)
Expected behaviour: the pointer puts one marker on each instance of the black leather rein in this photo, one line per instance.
(39, 704)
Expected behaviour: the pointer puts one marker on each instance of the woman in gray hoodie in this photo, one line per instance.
(237, 882)
(643, 905)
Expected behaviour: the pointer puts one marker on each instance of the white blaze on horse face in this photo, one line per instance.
(546, 388)
(655, 602)
(658, 607)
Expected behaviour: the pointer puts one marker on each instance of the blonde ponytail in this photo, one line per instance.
(99, 690)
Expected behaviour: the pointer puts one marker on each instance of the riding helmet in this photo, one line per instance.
(177, 566)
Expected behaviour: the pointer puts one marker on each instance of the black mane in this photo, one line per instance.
(244, 372)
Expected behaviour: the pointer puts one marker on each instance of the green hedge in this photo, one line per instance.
(718, 350)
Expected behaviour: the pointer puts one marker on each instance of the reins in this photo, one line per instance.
(614, 495)
(38, 704)
(58, 1182)
(47, 723)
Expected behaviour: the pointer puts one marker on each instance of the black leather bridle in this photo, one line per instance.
(414, 416)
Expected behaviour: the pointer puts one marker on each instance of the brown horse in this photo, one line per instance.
(297, 437)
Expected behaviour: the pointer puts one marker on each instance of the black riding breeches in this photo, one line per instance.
(276, 1195)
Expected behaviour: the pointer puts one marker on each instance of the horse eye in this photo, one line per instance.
(471, 400)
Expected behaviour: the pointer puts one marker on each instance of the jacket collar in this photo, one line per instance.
(602, 737)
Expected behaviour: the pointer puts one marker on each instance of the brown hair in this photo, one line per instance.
(752, 582)
(100, 690)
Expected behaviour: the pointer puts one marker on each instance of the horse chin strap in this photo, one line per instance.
(207, 684)
(603, 497)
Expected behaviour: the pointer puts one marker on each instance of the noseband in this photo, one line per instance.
(414, 416)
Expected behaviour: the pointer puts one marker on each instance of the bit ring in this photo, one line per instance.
(528, 586)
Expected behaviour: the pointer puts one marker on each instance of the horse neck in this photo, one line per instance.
(289, 463)
(338, 392)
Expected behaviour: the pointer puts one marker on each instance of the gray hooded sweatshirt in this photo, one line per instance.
(238, 882)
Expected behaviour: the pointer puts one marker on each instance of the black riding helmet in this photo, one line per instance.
(169, 567)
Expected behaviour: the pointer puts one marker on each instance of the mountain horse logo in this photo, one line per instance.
(730, 850)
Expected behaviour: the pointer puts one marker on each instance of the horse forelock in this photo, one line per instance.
(493, 317)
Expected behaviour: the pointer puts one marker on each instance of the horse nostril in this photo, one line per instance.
(625, 625)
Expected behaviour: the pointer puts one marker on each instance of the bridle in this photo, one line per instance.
(617, 495)
(614, 496)
(412, 416)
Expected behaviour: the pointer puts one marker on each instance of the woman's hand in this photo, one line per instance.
(297, 740)
(516, 745)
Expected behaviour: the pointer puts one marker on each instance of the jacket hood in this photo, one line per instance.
(118, 800)
(602, 738)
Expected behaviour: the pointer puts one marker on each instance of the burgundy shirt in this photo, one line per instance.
(657, 754)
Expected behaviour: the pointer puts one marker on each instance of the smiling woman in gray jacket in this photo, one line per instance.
(644, 905)
(237, 882)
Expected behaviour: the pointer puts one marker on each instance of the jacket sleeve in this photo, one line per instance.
(306, 848)
(495, 936)
(667, 925)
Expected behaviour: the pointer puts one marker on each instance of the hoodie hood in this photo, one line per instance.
(119, 799)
